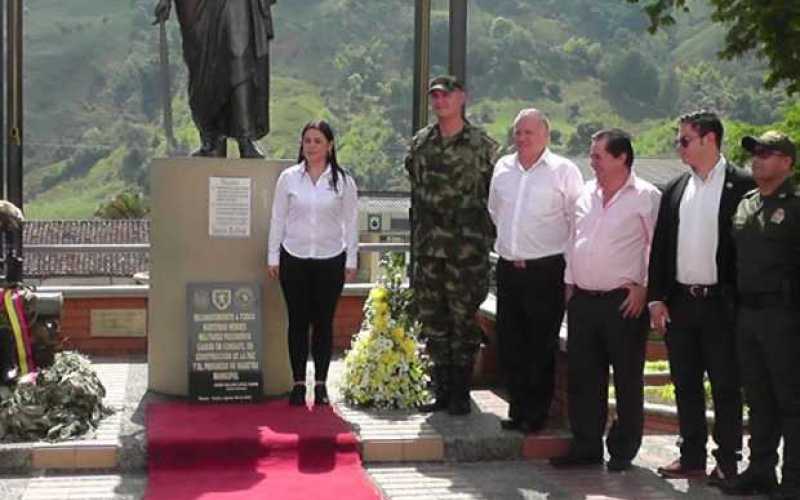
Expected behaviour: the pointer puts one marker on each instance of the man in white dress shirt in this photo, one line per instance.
(692, 294)
(531, 199)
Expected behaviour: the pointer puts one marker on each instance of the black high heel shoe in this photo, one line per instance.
(298, 395)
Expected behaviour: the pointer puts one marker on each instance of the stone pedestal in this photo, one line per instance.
(182, 251)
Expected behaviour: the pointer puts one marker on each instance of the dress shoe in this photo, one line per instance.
(298, 395)
(721, 474)
(248, 148)
(676, 469)
(618, 464)
(575, 460)
(321, 395)
(751, 482)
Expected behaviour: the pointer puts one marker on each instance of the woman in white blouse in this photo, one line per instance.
(313, 241)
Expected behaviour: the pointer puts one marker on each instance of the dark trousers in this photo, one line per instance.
(701, 339)
(769, 350)
(530, 309)
(311, 288)
(599, 335)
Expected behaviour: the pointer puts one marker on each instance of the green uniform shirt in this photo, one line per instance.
(449, 192)
(767, 234)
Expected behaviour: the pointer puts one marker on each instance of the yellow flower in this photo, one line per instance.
(398, 333)
(409, 347)
(378, 294)
(380, 322)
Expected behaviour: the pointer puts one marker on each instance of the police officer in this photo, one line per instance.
(766, 229)
(450, 166)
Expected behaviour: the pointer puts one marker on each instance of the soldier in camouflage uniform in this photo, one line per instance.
(766, 229)
(450, 166)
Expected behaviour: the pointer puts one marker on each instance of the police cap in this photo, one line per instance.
(773, 141)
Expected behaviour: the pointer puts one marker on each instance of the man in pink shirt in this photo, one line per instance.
(606, 278)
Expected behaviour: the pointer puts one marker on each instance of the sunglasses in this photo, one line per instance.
(684, 141)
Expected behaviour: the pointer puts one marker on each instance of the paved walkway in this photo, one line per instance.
(491, 480)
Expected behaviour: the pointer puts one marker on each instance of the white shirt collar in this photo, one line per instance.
(325, 172)
(543, 160)
(719, 169)
(629, 183)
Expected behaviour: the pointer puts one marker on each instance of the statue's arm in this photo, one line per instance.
(161, 12)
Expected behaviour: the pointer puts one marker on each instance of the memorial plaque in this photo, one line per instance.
(224, 321)
(118, 323)
(229, 207)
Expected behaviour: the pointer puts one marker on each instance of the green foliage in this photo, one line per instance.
(770, 29)
(93, 115)
(630, 74)
(657, 140)
(580, 141)
(62, 402)
(661, 366)
(126, 205)
(665, 394)
(632, 84)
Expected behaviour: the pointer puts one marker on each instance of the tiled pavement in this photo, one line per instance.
(460, 439)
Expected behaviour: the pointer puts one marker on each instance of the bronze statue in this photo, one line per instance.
(226, 49)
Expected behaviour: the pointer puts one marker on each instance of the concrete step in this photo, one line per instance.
(409, 436)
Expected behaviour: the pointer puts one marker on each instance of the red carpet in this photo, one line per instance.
(260, 451)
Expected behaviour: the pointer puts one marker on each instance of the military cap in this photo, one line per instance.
(447, 83)
(772, 140)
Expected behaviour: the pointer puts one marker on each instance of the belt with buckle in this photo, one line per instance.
(600, 293)
(699, 291)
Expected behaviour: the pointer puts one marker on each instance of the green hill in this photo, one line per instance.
(93, 111)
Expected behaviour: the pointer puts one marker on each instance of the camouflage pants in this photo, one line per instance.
(447, 294)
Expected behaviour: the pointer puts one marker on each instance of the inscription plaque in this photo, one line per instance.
(224, 321)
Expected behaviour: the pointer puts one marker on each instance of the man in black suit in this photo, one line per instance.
(691, 293)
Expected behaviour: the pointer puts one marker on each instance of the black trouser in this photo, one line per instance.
(530, 309)
(599, 335)
(769, 350)
(311, 288)
(700, 339)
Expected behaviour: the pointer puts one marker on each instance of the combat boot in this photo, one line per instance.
(460, 379)
(441, 390)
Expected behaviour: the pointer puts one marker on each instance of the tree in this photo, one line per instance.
(630, 74)
(581, 139)
(770, 29)
(126, 205)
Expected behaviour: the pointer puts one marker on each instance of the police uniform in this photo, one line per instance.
(452, 234)
(767, 234)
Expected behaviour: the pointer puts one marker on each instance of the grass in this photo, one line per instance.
(79, 198)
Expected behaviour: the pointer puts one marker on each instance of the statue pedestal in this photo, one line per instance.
(183, 251)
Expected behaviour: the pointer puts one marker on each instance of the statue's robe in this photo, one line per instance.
(226, 44)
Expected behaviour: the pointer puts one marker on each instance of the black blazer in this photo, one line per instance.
(663, 254)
